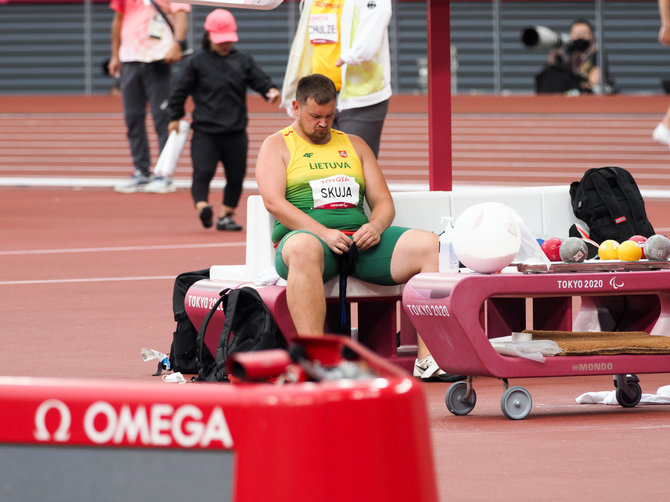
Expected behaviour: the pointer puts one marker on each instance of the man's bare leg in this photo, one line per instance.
(305, 292)
(415, 252)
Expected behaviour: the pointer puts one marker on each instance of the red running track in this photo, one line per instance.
(509, 140)
(86, 280)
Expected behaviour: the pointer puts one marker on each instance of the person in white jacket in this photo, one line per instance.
(347, 41)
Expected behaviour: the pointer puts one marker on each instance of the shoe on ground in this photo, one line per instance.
(207, 216)
(661, 134)
(428, 371)
(227, 223)
(160, 185)
(136, 183)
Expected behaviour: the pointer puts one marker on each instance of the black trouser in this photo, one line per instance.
(142, 83)
(206, 152)
(366, 122)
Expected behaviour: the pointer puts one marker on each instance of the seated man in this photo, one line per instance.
(313, 180)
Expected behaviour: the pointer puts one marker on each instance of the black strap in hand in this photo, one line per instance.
(350, 259)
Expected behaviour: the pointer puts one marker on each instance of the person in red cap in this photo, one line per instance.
(217, 77)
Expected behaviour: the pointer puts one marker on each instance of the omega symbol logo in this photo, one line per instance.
(62, 432)
(614, 284)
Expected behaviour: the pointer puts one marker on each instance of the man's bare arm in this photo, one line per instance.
(664, 13)
(378, 197)
(114, 65)
(180, 24)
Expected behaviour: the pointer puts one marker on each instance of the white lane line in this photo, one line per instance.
(121, 248)
(90, 279)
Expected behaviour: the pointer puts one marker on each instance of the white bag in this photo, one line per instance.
(167, 161)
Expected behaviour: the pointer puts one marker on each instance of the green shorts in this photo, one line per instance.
(373, 265)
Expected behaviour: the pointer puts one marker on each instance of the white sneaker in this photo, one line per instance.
(661, 134)
(428, 371)
(135, 183)
(160, 185)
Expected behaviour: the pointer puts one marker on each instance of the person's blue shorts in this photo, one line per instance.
(373, 265)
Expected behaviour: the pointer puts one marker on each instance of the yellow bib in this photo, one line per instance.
(324, 30)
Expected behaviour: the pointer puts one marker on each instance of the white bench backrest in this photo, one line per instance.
(260, 251)
(545, 210)
(557, 214)
(422, 210)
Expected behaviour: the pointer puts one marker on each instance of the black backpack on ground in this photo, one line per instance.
(248, 326)
(183, 351)
(608, 200)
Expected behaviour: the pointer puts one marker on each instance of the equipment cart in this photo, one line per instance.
(458, 315)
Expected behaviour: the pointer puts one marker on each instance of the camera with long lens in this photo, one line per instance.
(543, 39)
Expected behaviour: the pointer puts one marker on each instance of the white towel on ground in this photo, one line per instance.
(662, 396)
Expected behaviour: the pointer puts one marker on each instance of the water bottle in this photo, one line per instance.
(165, 363)
(448, 262)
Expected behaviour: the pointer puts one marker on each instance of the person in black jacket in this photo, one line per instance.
(217, 78)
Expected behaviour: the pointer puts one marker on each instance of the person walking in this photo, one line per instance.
(147, 38)
(217, 77)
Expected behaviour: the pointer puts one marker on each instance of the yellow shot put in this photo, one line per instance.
(629, 251)
(608, 250)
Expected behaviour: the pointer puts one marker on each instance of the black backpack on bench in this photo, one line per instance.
(248, 326)
(608, 200)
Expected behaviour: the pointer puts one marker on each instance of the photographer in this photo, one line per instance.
(573, 67)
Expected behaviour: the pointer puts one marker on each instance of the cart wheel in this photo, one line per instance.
(516, 403)
(455, 399)
(629, 395)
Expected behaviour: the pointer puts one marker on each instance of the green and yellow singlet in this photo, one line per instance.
(324, 181)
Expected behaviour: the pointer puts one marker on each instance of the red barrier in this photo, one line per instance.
(335, 440)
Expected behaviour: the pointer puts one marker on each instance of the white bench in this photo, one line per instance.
(545, 210)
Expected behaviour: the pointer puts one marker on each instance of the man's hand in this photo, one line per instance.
(555, 56)
(114, 67)
(174, 54)
(664, 34)
(336, 240)
(367, 236)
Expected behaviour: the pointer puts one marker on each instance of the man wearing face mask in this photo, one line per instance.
(575, 67)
